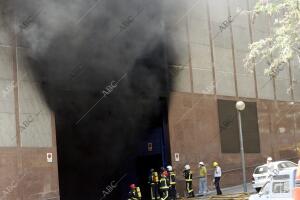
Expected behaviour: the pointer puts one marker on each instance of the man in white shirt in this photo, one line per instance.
(217, 177)
(270, 167)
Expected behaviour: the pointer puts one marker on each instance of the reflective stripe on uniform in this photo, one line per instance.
(190, 177)
(189, 190)
(163, 184)
(165, 197)
(152, 195)
(172, 177)
(164, 187)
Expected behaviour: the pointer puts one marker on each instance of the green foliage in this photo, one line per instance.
(283, 43)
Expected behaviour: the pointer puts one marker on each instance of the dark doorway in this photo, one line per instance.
(144, 164)
(152, 151)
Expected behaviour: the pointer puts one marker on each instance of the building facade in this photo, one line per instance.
(28, 161)
(210, 39)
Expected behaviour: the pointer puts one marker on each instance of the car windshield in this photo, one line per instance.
(286, 165)
(261, 170)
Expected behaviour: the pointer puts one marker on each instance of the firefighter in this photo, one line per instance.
(163, 186)
(154, 181)
(217, 177)
(188, 175)
(172, 182)
(134, 193)
(162, 170)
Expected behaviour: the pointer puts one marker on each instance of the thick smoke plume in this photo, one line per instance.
(88, 51)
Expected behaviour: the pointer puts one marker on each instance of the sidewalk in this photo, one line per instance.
(230, 190)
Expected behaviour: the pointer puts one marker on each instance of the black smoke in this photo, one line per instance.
(102, 69)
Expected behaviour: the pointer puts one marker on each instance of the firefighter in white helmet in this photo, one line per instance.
(188, 175)
(172, 182)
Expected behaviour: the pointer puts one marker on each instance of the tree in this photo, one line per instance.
(283, 43)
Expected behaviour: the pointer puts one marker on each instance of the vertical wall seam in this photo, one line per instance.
(16, 90)
(233, 53)
(291, 81)
(211, 48)
(20, 170)
(251, 40)
(293, 99)
(189, 52)
(273, 79)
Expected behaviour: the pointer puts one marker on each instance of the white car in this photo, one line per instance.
(261, 173)
(278, 187)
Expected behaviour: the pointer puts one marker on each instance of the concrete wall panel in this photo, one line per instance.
(201, 56)
(223, 60)
(6, 63)
(181, 78)
(199, 32)
(7, 130)
(6, 28)
(225, 83)
(245, 85)
(265, 87)
(203, 81)
(282, 89)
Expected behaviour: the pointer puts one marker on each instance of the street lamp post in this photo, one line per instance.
(240, 106)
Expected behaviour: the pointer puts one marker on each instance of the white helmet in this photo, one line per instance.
(201, 163)
(187, 167)
(269, 159)
(169, 168)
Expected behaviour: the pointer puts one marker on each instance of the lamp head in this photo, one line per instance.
(240, 105)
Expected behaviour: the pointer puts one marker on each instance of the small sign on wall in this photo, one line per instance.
(177, 157)
(150, 146)
(49, 158)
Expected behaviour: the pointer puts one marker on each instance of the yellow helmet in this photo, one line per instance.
(215, 164)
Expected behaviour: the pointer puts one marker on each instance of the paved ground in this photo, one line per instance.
(231, 190)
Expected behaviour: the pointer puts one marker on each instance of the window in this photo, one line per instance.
(286, 165)
(228, 126)
(261, 170)
(281, 187)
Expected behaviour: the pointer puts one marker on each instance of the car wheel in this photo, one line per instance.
(257, 189)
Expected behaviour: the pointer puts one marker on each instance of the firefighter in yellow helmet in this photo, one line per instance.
(163, 186)
(217, 177)
(154, 181)
(188, 175)
(172, 182)
(134, 193)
